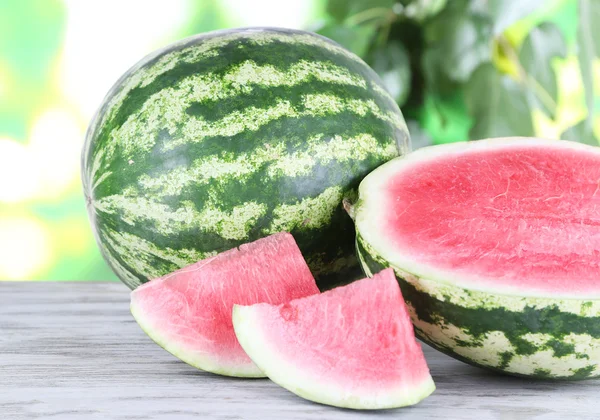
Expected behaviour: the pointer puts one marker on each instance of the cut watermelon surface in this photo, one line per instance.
(188, 312)
(352, 346)
(519, 216)
(496, 247)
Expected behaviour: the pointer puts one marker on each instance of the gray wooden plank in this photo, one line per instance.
(72, 351)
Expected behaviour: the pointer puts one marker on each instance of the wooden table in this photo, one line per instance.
(73, 351)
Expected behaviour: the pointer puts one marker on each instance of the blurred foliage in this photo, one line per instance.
(38, 27)
(471, 69)
(459, 69)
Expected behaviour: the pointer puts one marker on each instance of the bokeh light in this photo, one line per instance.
(100, 44)
(19, 178)
(25, 248)
(54, 148)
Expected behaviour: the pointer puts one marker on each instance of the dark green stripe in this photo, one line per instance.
(327, 243)
(229, 57)
(292, 131)
(288, 190)
(114, 255)
(264, 96)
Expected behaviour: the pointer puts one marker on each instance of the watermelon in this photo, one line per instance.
(351, 346)
(496, 245)
(230, 136)
(188, 312)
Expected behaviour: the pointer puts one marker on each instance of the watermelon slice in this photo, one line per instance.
(188, 312)
(352, 346)
(496, 246)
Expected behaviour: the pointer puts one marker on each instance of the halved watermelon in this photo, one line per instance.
(188, 312)
(496, 245)
(352, 346)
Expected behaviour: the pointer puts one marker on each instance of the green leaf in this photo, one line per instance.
(458, 41)
(588, 38)
(506, 12)
(580, 134)
(497, 104)
(359, 10)
(418, 137)
(563, 13)
(543, 43)
(354, 38)
(420, 10)
(445, 118)
(392, 64)
(338, 9)
(436, 78)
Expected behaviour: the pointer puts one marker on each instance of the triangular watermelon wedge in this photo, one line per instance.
(352, 346)
(188, 312)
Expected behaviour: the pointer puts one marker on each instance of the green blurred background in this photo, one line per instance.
(59, 58)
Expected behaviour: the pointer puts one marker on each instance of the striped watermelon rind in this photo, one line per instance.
(230, 136)
(545, 338)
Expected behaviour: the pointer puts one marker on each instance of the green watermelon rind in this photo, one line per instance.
(177, 159)
(549, 337)
(288, 375)
(207, 364)
(523, 336)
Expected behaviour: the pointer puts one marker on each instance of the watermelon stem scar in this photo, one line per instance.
(349, 207)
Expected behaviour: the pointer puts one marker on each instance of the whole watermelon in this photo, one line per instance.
(230, 136)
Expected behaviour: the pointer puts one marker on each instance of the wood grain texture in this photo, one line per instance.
(73, 351)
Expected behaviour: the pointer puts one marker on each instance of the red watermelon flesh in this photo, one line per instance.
(352, 346)
(516, 215)
(188, 312)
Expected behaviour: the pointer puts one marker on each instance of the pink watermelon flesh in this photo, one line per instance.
(525, 217)
(188, 312)
(352, 346)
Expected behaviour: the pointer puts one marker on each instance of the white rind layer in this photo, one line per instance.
(206, 362)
